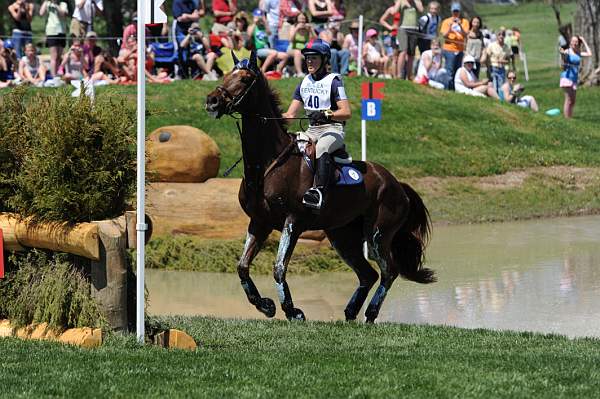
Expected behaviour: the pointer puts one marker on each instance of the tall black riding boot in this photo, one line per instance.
(314, 197)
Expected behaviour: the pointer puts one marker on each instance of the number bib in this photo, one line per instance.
(316, 95)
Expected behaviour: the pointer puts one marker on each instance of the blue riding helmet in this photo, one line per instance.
(318, 46)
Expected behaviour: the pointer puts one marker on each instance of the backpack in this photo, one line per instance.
(423, 28)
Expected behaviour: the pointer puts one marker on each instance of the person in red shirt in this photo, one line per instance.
(224, 11)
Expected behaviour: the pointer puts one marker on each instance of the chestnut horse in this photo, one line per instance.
(387, 214)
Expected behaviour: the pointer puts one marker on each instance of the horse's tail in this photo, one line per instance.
(408, 246)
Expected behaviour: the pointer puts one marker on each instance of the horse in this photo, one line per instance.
(386, 214)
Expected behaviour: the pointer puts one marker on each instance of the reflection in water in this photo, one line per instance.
(536, 275)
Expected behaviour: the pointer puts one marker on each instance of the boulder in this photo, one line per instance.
(181, 154)
(175, 339)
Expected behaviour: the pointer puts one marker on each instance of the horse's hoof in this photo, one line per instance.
(350, 314)
(370, 321)
(267, 307)
(295, 314)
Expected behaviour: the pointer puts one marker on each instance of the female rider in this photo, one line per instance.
(324, 99)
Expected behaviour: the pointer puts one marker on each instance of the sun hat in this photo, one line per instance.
(468, 58)
(91, 35)
(371, 32)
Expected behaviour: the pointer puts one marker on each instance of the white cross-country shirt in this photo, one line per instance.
(323, 94)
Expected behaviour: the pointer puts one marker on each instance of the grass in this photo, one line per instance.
(244, 359)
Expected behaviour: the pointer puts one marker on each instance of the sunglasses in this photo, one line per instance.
(512, 77)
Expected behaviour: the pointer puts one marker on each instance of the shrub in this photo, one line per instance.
(47, 289)
(75, 160)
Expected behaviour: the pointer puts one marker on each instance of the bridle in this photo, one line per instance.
(234, 101)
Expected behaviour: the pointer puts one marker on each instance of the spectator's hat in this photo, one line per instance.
(194, 25)
(257, 12)
(371, 32)
(468, 59)
(242, 15)
(8, 44)
(219, 29)
(354, 25)
(91, 35)
(455, 6)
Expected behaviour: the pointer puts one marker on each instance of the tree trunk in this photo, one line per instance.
(587, 24)
(113, 14)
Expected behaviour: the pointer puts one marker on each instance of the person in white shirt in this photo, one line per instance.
(83, 16)
(466, 82)
(430, 69)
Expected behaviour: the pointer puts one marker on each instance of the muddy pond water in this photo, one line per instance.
(538, 275)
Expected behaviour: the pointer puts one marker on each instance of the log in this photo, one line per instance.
(209, 210)
(109, 273)
(81, 239)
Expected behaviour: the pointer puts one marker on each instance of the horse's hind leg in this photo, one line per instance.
(381, 250)
(254, 240)
(287, 243)
(348, 242)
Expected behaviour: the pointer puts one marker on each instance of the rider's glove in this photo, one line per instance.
(321, 117)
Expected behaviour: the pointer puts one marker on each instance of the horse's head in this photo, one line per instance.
(231, 95)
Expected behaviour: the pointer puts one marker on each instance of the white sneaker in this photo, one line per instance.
(211, 76)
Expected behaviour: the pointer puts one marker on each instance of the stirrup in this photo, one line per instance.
(313, 198)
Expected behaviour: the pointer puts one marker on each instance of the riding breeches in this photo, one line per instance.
(329, 138)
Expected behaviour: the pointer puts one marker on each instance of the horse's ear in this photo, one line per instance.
(235, 59)
(253, 61)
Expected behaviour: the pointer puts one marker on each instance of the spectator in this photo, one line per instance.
(225, 61)
(373, 54)
(429, 26)
(340, 57)
(92, 54)
(21, 12)
(430, 69)
(73, 65)
(200, 52)
(407, 36)
(394, 13)
(339, 10)
(300, 34)
(185, 13)
(288, 9)
(131, 30)
(127, 61)
(258, 32)
(241, 27)
(83, 16)
(31, 70)
(224, 11)
(7, 64)
(56, 38)
(475, 46)
(108, 69)
(511, 93)
(271, 10)
(466, 82)
(351, 42)
(320, 11)
(570, 75)
(513, 43)
(455, 31)
(498, 54)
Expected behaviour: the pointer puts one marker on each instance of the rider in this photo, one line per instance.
(324, 99)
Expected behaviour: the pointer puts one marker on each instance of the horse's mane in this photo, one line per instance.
(275, 102)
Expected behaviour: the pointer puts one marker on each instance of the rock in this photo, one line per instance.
(181, 154)
(175, 339)
(5, 328)
(85, 337)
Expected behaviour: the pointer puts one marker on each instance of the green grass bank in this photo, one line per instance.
(244, 359)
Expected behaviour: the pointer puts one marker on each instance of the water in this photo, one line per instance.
(536, 275)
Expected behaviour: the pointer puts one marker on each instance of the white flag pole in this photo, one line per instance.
(360, 45)
(363, 139)
(141, 227)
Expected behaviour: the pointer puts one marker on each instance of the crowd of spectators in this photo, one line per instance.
(453, 53)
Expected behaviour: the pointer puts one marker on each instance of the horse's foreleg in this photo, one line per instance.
(381, 249)
(254, 240)
(289, 238)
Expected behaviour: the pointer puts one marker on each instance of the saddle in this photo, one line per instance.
(347, 171)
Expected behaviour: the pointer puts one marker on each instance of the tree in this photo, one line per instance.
(587, 24)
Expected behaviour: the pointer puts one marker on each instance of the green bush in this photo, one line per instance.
(68, 160)
(40, 289)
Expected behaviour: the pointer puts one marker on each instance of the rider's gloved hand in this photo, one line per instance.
(321, 117)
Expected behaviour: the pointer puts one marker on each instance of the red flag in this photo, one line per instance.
(372, 90)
